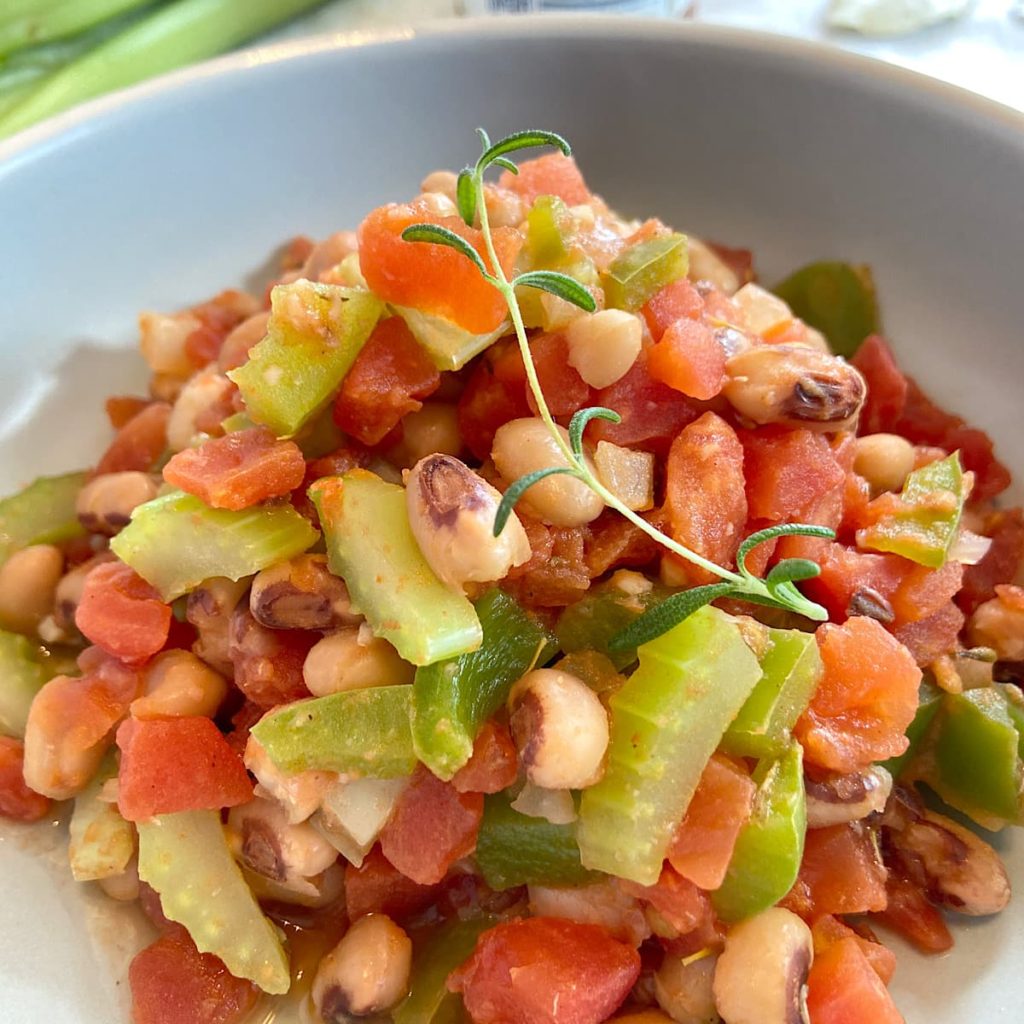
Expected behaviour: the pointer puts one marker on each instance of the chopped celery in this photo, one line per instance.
(547, 226)
(929, 700)
(22, 674)
(371, 547)
(667, 720)
(448, 345)
(791, 670)
(768, 851)
(836, 298)
(925, 525)
(436, 953)
(352, 814)
(606, 609)
(313, 337)
(175, 541)
(185, 857)
(452, 699)
(514, 849)
(644, 269)
(101, 841)
(42, 513)
(358, 732)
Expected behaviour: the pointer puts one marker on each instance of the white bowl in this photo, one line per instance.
(160, 196)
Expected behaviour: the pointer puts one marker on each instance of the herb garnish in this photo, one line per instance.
(777, 589)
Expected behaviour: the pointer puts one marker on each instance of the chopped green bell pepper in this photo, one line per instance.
(449, 346)
(357, 732)
(924, 528)
(929, 700)
(666, 722)
(643, 270)
(453, 698)
(22, 674)
(371, 547)
(791, 670)
(42, 513)
(176, 541)
(548, 227)
(769, 848)
(101, 841)
(313, 337)
(515, 849)
(836, 298)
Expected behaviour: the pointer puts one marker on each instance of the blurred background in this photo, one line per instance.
(55, 54)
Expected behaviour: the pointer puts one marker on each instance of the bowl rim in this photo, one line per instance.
(829, 58)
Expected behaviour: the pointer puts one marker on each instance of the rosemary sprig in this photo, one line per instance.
(776, 590)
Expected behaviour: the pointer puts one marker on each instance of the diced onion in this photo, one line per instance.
(555, 805)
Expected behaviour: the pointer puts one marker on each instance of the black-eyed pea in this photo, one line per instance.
(28, 587)
(353, 659)
(178, 684)
(105, 504)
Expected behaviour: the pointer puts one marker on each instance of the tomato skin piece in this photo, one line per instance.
(139, 443)
(238, 470)
(550, 175)
(120, 612)
(493, 765)
(866, 698)
(177, 764)
(387, 380)
(17, 801)
(173, 983)
(378, 887)
(543, 970)
(689, 359)
(842, 988)
(909, 912)
(433, 825)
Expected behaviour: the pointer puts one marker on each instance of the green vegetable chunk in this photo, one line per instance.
(186, 859)
(22, 674)
(768, 851)
(1015, 709)
(452, 699)
(548, 225)
(101, 841)
(435, 955)
(929, 700)
(371, 547)
(358, 732)
(449, 346)
(791, 671)
(925, 525)
(643, 270)
(514, 849)
(313, 337)
(34, 22)
(176, 541)
(837, 298)
(666, 721)
(43, 513)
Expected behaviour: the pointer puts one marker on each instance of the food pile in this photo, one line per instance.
(518, 614)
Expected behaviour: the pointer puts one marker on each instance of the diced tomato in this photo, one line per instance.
(389, 377)
(487, 402)
(680, 903)
(828, 930)
(177, 764)
(268, 662)
(843, 988)
(704, 492)
(17, 801)
(613, 541)
(909, 913)
(433, 278)
(689, 359)
(217, 318)
(493, 765)
(122, 408)
(173, 983)
(676, 301)
(120, 612)
(139, 443)
(543, 970)
(1006, 528)
(238, 470)
(866, 698)
(931, 637)
(652, 413)
(549, 175)
(556, 574)
(887, 386)
(432, 826)
(841, 873)
(564, 389)
(787, 472)
(377, 887)
(702, 846)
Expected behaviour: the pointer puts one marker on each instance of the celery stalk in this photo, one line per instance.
(176, 34)
(42, 513)
(185, 857)
(32, 22)
(358, 732)
(371, 547)
(452, 699)
(314, 334)
(22, 674)
(175, 541)
(101, 841)
(666, 721)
